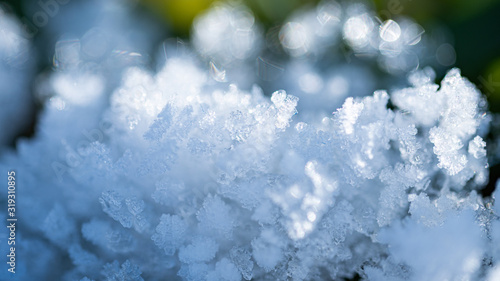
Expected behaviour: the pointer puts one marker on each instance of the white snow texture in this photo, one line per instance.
(179, 175)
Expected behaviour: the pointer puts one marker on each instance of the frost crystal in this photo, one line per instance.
(170, 233)
(177, 174)
(202, 249)
(224, 185)
(126, 272)
(216, 216)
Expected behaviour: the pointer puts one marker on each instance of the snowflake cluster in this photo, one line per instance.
(175, 175)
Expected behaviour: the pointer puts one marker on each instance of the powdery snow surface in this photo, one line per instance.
(172, 176)
(200, 184)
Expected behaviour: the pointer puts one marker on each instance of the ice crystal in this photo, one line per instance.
(167, 174)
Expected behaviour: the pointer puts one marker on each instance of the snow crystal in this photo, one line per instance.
(113, 204)
(127, 271)
(216, 216)
(477, 147)
(244, 194)
(349, 114)
(447, 148)
(224, 270)
(202, 249)
(170, 233)
(137, 174)
(267, 250)
(243, 261)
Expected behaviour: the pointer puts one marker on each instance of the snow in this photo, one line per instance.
(216, 216)
(170, 233)
(409, 242)
(202, 249)
(16, 70)
(194, 171)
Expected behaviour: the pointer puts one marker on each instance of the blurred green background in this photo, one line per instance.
(474, 27)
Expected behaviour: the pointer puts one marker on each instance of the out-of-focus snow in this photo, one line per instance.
(16, 70)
